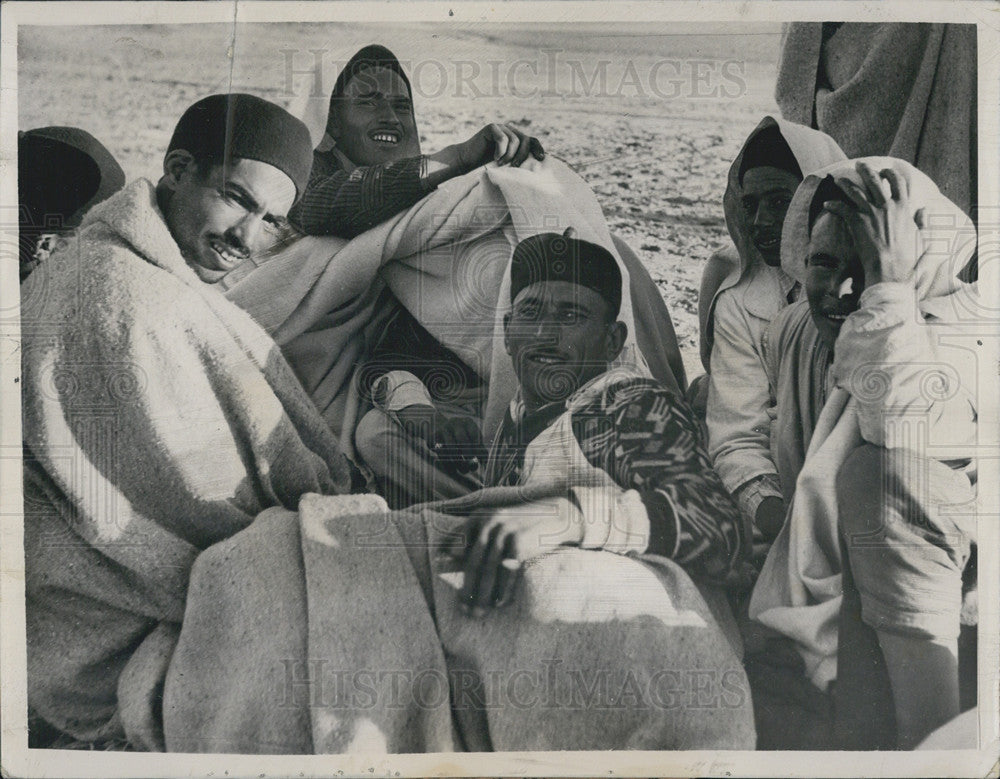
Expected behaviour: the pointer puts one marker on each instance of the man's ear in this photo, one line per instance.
(617, 333)
(506, 325)
(174, 164)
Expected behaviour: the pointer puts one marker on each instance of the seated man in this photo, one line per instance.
(369, 166)
(626, 448)
(875, 421)
(158, 417)
(735, 313)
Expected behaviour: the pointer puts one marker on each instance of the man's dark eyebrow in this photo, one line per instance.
(251, 202)
(572, 304)
(823, 256)
(243, 193)
(772, 191)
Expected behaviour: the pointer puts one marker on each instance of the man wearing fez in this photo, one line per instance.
(627, 448)
(158, 417)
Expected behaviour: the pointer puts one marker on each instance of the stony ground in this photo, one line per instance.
(650, 115)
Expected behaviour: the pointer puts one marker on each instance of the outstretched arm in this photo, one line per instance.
(346, 204)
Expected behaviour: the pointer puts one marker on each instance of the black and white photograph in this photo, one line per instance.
(529, 388)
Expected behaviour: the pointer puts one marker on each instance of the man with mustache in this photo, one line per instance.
(749, 292)
(627, 448)
(158, 417)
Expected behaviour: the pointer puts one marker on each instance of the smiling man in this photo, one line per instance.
(627, 448)
(158, 417)
(762, 180)
(866, 579)
(369, 165)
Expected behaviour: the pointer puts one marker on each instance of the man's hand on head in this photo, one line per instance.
(882, 223)
(495, 545)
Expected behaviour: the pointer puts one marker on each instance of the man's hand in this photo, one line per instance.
(497, 544)
(885, 230)
(503, 143)
(500, 142)
(457, 442)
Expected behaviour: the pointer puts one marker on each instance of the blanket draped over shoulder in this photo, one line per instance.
(881, 394)
(901, 90)
(336, 629)
(446, 260)
(158, 419)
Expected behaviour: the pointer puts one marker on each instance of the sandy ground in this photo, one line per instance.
(650, 115)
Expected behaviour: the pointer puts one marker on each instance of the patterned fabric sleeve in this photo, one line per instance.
(646, 439)
(347, 204)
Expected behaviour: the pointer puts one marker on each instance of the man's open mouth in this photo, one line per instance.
(545, 358)
(837, 316)
(767, 243)
(229, 255)
(385, 136)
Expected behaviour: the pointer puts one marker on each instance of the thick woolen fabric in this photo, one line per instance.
(158, 419)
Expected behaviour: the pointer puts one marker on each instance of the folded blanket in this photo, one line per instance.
(338, 629)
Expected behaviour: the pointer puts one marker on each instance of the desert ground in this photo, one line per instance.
(650, 114)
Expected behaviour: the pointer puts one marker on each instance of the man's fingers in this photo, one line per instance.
(872, 184)
(856, 195)
(500, 141)
(838, 209)
(536, 149)
(523, 148)
(513, 144)
(473, 564)
(490, 574)
(897, 184)
(508, 573)
(480, 570)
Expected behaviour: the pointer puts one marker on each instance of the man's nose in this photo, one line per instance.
(386, 113)
(546, 328)
(764, 215)
(246, 232)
